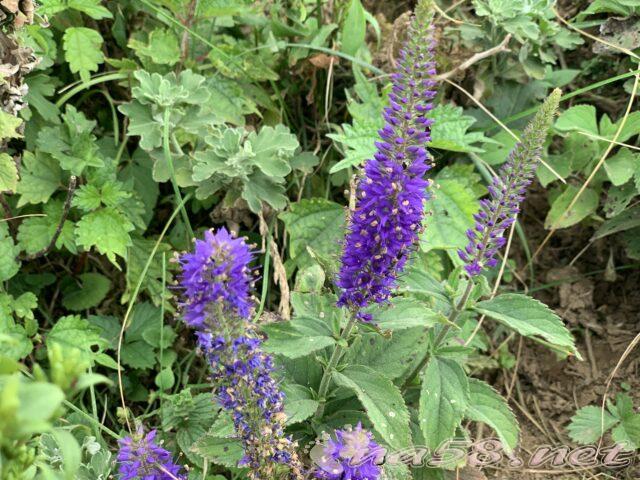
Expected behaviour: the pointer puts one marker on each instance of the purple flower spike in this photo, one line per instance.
(507, 191)
(216, 279)
(140, 457)
(352, 455)
(216, 273)
(387, 219)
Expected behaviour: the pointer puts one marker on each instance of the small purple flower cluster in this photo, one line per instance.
(507, 191)
(217, 282)
(216, 273)
(387, 219)
(352, 455)
(140, 457)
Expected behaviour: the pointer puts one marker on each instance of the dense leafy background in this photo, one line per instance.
(147, 121)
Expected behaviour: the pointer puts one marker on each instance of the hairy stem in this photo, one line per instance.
(174, 182)
(331, 366)
(453, 316)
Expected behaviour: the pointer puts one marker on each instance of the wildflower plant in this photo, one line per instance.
(217, 280)
(141, 457)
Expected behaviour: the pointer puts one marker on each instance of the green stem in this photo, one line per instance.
(174, 182)
(94, 81)
(453, 316)
(331, 366)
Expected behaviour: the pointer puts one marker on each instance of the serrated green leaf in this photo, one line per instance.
(162, 48)
(9, 126)
(444, 397)
(317, 224)
(107, 230)
(560, 217)
(382, 401)
(531, 318)
(89, 291)
(578, 117)
(487, 406)
(83, 50)
(586, 425)
(73, 331)
(8, 173)
(404, 313)
(9, 265)
(39, 178)
(298, 403)
(273, 149)
(138, 354)
(450, 130)
(621, 167)
(90, 7)
(452, 210)
(35, 233)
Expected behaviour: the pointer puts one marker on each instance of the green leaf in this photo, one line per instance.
(83, 50)
(586, 425)
(9, 126)
(73, 331)
(70, 452)
(449, 130)
(444, 397)
(628, 431)
(8, 174)
(273, 149)
(298, 403)
(35, 233)
(451, 210)
(39, 178)
(354, 28)
(9, 265)
(382, 401)
(578, 117)
(307, 332)
(137, 256)
(621, 167)
(91, 290)
(530, 318)
(487, 406)
(223, 451)
(296, 339)
(560, 217)
(626, 220)
(90, 7)
(107, 230)
(40, 87)
(317, 224)
(163, 47)
(38, 405)
(403, 313)
(138, 354)
(393, 356)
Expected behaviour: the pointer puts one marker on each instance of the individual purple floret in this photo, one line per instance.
(140, 457)
(387, 219)
(352, 455)
(507, 191)
(217, 282)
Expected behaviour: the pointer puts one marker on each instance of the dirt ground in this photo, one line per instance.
(602, 308)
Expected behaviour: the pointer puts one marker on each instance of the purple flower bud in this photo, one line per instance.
(507, 191)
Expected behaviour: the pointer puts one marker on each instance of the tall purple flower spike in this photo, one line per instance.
(507, 191)
(217, 283)
(140, 457)
(387, 219)
(351, 455)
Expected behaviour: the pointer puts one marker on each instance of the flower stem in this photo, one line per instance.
(453, 316)
(331, 366)
(174, 182)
